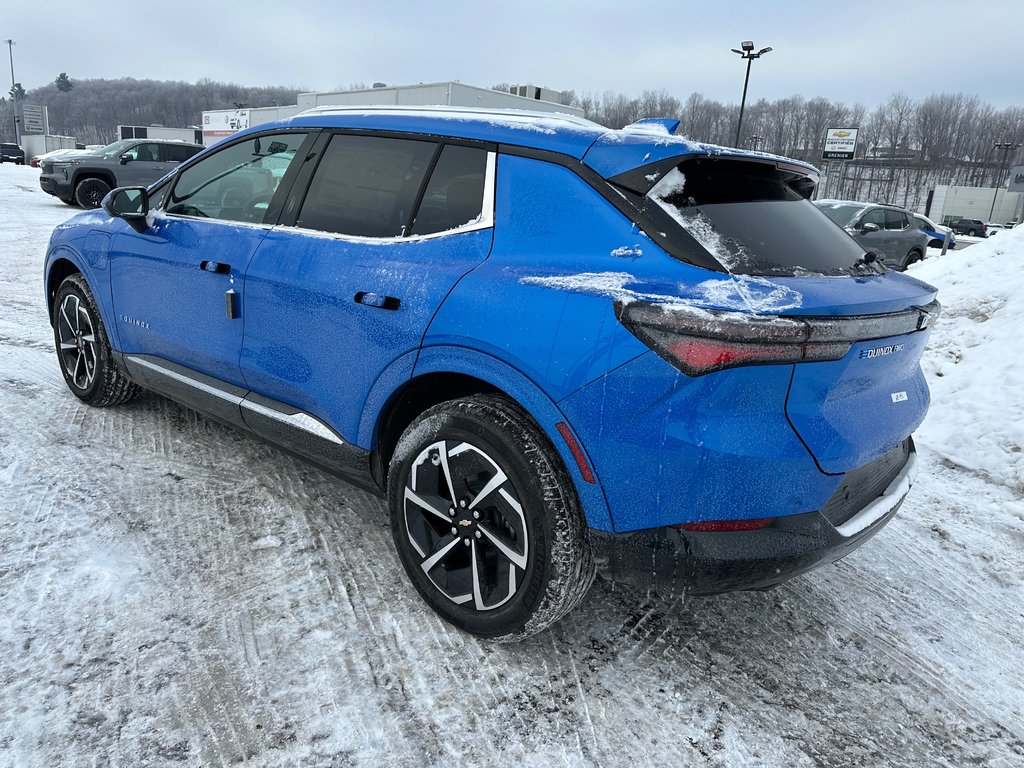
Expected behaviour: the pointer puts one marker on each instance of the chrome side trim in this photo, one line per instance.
(896, 491)
(187, 380)
(300, 420)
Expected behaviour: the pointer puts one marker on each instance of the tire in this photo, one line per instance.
(83, 350)
(972, 232)
(526, 535)
(912, 258)
(90, 192)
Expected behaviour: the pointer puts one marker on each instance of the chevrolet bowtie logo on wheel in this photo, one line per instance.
(465, 522)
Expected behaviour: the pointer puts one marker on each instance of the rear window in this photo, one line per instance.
(366, 185)
(751, 218)
(841, 213)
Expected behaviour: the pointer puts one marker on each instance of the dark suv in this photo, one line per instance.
(534, 336)
(969, 227)
(85, 179)
(12, 153)
(887, 230)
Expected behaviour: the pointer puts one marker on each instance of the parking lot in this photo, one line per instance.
(176, 593)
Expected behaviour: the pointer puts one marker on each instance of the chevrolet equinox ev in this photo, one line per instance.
(547, 344)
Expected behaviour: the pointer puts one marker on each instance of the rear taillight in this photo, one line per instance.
(699, 341)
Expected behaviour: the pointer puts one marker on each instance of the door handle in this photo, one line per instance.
(377, 300)
(217, 267)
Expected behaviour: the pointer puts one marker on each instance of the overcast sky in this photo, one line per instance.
(841, 50)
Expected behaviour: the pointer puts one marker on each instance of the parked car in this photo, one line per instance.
(84, 179)
(969, 227)
(12, 153)
(885, 230)
(994, 229)
(54, 154)
(936, 232)
(538, 339)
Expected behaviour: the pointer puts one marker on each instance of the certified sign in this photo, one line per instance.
(840, 144)
(32, 119)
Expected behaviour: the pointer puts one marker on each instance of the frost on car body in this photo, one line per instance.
(432, 303)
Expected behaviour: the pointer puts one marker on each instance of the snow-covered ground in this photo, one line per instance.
(173, 592)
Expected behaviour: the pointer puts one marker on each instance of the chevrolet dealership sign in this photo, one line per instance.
(840, 144)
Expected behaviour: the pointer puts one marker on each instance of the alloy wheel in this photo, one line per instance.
(77, 341)
(464, 519)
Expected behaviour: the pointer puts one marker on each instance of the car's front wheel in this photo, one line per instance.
(486, 519)
(83, 351)
(90, 192)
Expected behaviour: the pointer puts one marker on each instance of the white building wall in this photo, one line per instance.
(423, 94)
(987, 204)
(432, 94)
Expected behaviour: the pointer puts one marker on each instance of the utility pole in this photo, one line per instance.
(14, 96)
(1006, 146)
(748, 54)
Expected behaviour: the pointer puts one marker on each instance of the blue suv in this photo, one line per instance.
(547, 344)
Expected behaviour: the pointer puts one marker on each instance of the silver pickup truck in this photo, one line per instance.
(85, 179)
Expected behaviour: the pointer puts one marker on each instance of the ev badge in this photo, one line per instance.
(899, 397)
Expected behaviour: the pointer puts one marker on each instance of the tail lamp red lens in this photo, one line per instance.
(699, 341)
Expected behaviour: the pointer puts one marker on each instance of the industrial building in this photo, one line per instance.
(217, 124)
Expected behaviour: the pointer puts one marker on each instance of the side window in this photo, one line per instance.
(177, 153)
(149, 153)
(455, 193)
(895, 219)
(874, 216)
(366, 186)
(238, 182)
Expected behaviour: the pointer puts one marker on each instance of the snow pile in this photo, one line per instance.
(973, 361)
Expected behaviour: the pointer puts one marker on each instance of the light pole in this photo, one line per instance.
(14, 96)
(748, 54)
(1006, 146)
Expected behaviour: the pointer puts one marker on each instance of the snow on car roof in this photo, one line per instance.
(608, 151)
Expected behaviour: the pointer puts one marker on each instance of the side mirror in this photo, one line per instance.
(124, 159)
(128, 203)
(869, 227)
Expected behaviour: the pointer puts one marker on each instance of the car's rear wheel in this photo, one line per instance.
(84, 353)
(912, 258)
(90, 192)
(972, 232)
(486, 520)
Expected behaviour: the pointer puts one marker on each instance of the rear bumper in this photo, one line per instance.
(704, 563)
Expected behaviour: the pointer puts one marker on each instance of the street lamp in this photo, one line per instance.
(14, 95)
(1006, 146)
(748, 54)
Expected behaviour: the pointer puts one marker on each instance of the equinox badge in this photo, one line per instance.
(880, 351)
